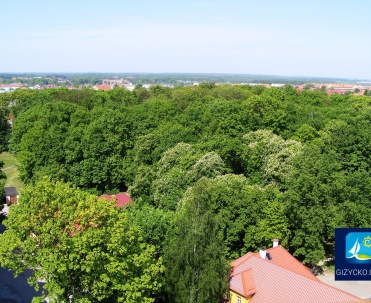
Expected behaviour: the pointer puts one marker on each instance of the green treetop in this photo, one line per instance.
(80, 246)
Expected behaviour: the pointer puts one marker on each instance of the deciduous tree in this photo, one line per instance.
(80, 246)
(196, 269)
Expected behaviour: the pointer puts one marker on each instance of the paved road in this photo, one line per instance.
(358, 288)
(17, 289)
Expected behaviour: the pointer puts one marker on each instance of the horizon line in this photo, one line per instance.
(191, 73)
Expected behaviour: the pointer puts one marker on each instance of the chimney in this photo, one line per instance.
(262, 252)
(275, 242)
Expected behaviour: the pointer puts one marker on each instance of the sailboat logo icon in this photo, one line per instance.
(358, 247)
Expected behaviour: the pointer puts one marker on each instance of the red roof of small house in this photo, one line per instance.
(344, 86)
(281, 257)
(281, 279)
(284, 259)
(102, 87)
(121, 198)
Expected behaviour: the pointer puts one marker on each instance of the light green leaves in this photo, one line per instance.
(79, 245)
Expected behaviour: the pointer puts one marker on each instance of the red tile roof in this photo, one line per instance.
(12, 85)
(284, 259)
(121, 198)
(242, 259)
(102, 87)
(281, 279)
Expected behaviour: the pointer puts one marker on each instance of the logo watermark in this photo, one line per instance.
(352, 253)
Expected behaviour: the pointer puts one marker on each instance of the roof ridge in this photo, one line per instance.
(241, 259)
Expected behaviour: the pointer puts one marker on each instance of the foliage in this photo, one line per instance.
(267, 111)
(2, 177)
(209, 165)
(279, 163)
(72, 144)
(10, 169)
(249, 216)
(328, 189)
(268, 157)
(4, 128)
(196, 270)
(80, 246)
(180, 166)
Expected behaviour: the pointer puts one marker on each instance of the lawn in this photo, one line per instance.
(11, 170)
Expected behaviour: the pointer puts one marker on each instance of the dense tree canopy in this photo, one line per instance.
(4, 137)
(4, 125)
(261, 163)
(2, 177)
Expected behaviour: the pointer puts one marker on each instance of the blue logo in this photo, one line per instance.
(358, 247)
(353, 254)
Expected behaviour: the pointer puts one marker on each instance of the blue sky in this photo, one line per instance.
(269, 37)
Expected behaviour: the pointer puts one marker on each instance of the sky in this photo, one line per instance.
(317, 38)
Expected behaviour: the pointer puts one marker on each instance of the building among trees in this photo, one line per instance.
(274, 275)
(11, 195)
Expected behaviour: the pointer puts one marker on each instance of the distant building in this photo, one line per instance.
(10, 87)
(118, 82)
(102, 87)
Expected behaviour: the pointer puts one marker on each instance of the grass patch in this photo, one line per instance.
(11, 170)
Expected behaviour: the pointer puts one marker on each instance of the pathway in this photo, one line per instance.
(358, 288)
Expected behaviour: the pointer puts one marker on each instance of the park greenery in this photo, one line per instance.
(214, 172)
(4, 138)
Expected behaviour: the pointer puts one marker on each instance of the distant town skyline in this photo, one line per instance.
(286, 38)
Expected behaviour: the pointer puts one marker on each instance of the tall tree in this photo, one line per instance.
(2, 177)
(196, 270)
(4, 129)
